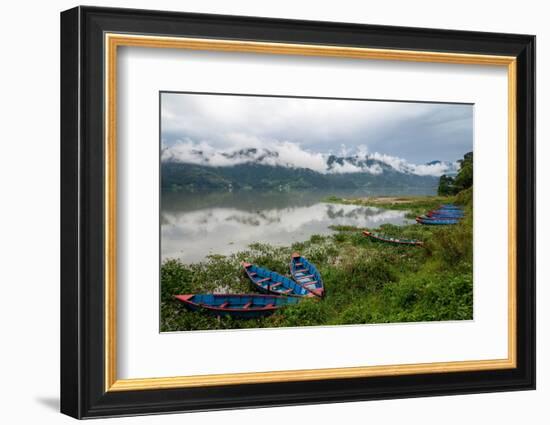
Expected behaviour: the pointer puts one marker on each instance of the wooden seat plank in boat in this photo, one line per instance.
(247, 305)
(264, 280)
(225, 304)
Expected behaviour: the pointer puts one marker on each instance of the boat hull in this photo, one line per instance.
(242, 306)
(437, 213)
(436, 222)
(396, 241)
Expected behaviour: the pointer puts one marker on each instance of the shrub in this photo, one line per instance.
(309, 312)
(359, 313)
(465, 197)
(315, 239)
(368, 272)
(453, 245)
(434, 297)
(175, 279)
(340, 237)
(359, 239)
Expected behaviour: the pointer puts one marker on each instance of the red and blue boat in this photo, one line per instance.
(243, 306)
(270, 282)
(392, 240)
(306, 275)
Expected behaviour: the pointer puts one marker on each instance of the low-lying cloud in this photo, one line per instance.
(436, 168)
(292, 155)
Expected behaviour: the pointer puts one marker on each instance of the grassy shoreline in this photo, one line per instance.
(366, 281)
(415, 205)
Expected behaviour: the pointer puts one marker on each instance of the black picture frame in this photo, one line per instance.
(83, 392)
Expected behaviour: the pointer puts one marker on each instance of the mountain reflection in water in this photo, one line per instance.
(194, 226)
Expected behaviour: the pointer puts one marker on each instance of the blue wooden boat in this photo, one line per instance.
(306, 274)
(448, 212)
(450, 208)
(440, 214)
(444, 211)
(444, 216)
(270, 282)
(436, 221)
(390, 239)
(243, 306)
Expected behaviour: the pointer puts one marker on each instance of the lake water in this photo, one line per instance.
(194, 226)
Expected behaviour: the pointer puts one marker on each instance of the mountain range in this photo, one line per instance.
(253, 169)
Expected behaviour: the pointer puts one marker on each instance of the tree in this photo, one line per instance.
(465, 176)
(445, 187)
(463, 180)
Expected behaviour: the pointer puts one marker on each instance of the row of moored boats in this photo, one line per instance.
(446, 214)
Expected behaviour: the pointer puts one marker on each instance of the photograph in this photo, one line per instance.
(280, 211)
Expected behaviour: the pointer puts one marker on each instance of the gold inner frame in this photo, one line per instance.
(113, 41)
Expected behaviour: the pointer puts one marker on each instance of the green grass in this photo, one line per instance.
(366, 281)
(414, 205)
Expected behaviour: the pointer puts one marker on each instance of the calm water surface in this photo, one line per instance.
(195, 226)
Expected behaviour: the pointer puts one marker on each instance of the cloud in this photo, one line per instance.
(292, 155)
(436, 169)
(418, 132)
(433, 169)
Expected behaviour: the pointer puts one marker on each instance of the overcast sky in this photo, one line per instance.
(415, 132)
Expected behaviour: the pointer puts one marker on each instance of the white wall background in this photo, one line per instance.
(29, 217)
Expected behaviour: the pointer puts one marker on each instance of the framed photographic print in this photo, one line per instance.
(261, 212)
